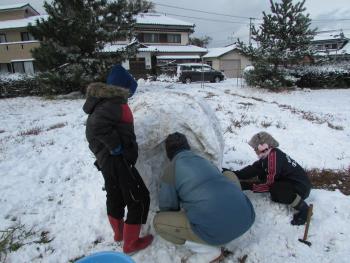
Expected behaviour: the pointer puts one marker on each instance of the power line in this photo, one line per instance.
(206, 12)
(209, 19)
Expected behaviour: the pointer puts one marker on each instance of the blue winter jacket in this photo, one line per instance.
(217, 209)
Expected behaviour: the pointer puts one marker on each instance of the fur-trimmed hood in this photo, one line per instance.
(98, 92)
(102, 90)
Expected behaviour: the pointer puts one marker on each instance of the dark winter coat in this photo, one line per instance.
(217, 209)
(277, 166)
(110, 122)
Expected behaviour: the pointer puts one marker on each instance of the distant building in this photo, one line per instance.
(331, 43)
(15, 41)
(228, 60)
(164, 42)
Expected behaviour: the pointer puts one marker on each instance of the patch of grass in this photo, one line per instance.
(18, 236)
(44, 238)
(330, 179)
(266, 124)
(241, 122)
(56, 126)
(335, 127)
(32, 131)
(210, 95)
(12, 239)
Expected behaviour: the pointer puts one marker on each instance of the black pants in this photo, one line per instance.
(125, 187)
(285, 191)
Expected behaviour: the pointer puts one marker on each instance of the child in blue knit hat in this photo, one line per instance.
(111, 136)
(118, 76)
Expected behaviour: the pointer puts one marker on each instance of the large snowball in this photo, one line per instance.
(157, 115)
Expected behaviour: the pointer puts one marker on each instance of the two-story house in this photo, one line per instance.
(163, 40)
(331, 43)
(15, 41)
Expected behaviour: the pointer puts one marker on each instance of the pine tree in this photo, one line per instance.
(200, 41)
(74, 34)
(283, 40)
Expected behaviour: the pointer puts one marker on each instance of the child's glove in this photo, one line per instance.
(246, 185)
(117, 151)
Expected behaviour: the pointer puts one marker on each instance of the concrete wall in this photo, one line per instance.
(16, 14)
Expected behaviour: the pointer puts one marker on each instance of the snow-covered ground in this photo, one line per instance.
(53, 193)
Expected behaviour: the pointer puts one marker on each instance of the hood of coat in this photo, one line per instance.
(98, 92)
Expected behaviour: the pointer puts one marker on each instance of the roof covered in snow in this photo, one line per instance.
(324, 36)
(16, 6)
(219, 51)
(159, 48)
(19, 23)
(345, 50)
(160, 19)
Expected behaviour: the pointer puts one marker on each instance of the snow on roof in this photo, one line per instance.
(343, 51)
(179, 57)
(14, 6)
(18, 23)
(219, 51)
(327, 36)
(160, 48)
(160, 19)
(157, 48)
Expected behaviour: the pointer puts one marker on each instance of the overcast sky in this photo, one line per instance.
(225, 29)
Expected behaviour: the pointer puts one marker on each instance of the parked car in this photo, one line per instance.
(189, 72)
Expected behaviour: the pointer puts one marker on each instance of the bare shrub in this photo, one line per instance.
(56, 126)
(32, 131)
(266, 124)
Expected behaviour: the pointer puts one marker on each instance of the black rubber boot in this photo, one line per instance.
(300, 217)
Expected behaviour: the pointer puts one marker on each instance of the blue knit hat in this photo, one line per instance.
(118, 76)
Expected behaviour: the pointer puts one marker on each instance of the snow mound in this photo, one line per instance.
(159, 114)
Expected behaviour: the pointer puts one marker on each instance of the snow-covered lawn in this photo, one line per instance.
(52, 192)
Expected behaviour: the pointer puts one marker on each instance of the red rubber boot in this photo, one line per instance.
(132, 241)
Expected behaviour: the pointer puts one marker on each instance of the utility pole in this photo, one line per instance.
(250, 29)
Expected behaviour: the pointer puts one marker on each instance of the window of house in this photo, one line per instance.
(2, 38)
(5, 68)
(210, 63)
(174, 38)
(151, 38)
(334, 46)
(328, 46)
(320, 47)
(26, 67)
(26, 36)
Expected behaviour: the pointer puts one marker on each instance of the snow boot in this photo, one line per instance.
(132, 241)
(300, 217)
(117, 225)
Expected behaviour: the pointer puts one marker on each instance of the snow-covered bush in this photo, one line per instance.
(266, 76)
(324, 76)
(15, 85)
(159, 114)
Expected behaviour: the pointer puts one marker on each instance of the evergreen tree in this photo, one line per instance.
(74, 34)
(283, 39)
(200, 41)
